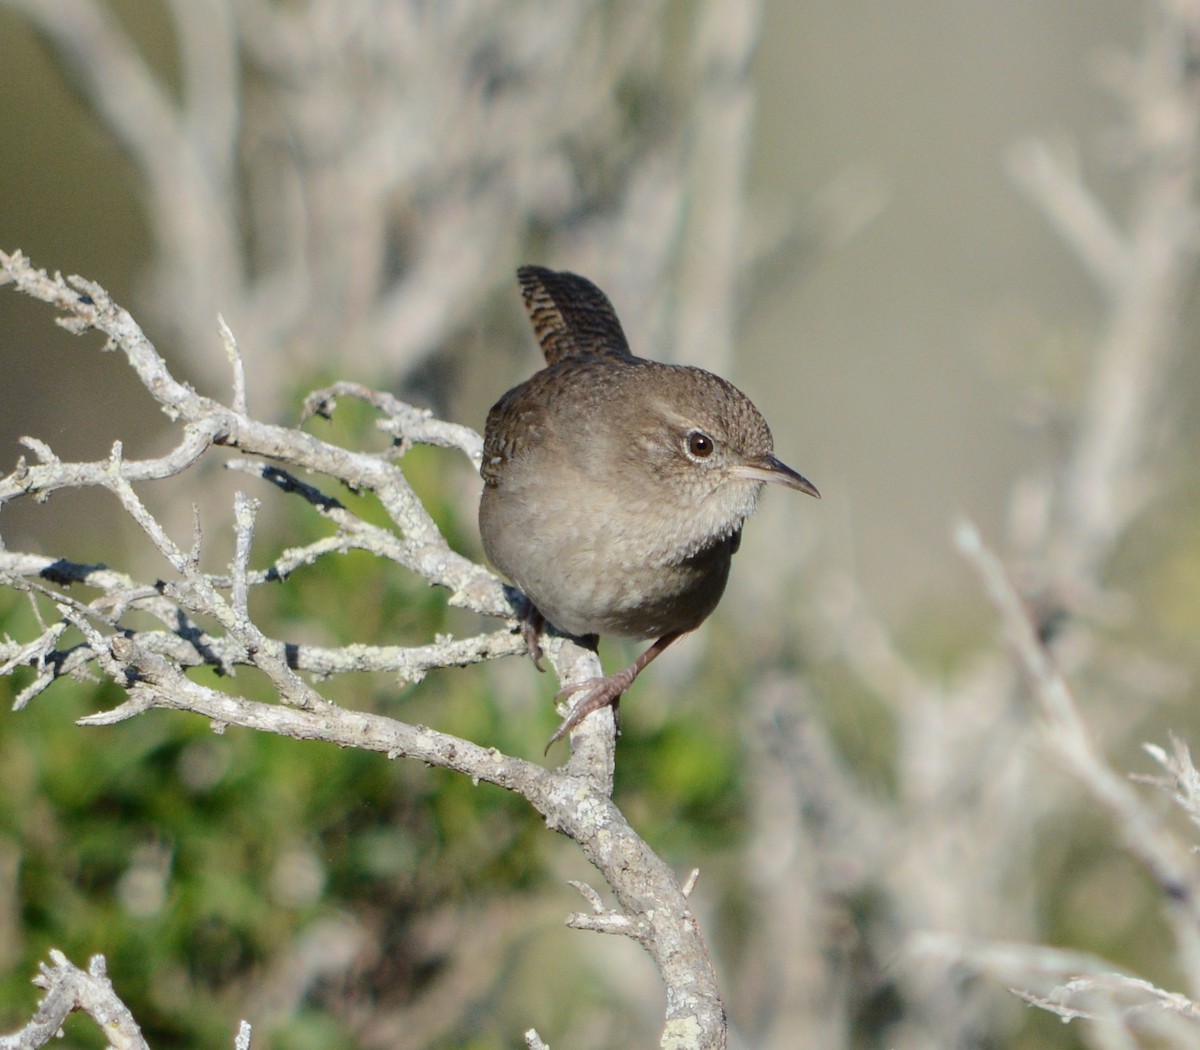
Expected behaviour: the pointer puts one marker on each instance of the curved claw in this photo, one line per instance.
(601, 693)
(605, 692)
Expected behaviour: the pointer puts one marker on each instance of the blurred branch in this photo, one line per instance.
(1052, 180)
(1182, 780)
(1167, 860)
(1144, 267)
(1075, 986)
(186, 161)
(1143, 273)
(150, 666)
(1115, 1003)
(467, 939)
(359, 172)
(954, 845)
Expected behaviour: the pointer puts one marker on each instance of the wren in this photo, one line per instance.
(615, 488)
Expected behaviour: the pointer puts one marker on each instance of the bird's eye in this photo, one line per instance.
(700, 445)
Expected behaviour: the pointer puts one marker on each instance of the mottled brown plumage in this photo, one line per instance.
(615, 488)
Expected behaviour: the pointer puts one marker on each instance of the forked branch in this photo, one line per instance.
(150, 663)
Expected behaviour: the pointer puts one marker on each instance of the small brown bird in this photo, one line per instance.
(615, 488)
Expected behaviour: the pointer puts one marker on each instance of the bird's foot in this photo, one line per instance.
(605, 692)
(601, 693)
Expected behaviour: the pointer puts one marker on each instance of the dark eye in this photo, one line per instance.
(700, 445)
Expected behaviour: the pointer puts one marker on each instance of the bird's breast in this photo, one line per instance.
(595, 566)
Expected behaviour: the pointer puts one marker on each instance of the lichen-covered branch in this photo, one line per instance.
(68, 989)
(150, 664)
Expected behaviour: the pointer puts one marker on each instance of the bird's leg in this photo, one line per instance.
(605, 692)
(532, 623)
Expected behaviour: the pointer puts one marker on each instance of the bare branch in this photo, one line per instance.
(405, 423)
(150, 665)
(420, 547)
(68, 989)
(187, 644)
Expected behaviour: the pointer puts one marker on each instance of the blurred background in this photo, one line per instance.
(864, 215)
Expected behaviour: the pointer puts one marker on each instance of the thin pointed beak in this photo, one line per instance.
(774, 471)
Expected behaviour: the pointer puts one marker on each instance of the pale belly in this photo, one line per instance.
(597, 580)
